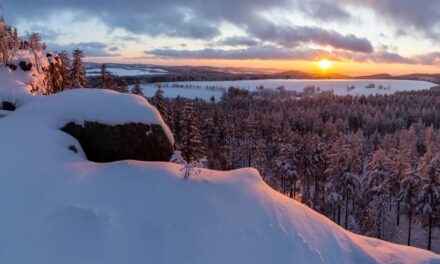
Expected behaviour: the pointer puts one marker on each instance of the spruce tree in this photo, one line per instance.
(78, 76)
(65, 69)
(159, 101)
(107, 81)
(409, 196)
(429, 169)
(377, 190)
(123, 87)
(137, 88)
(286, 165)
(191, 147)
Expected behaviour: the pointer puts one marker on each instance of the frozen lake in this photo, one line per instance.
(191, 93)
(206, 89)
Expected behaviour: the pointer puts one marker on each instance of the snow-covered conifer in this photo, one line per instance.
(159, 101)
(107, 81)
(137, 88)
(78, 76)
(65, 69)
(191, 147)
(377, 189)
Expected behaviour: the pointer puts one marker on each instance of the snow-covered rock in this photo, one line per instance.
(135, 141)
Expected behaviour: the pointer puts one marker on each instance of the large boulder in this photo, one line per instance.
(135, 141)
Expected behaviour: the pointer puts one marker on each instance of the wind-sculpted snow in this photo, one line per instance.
(57, 207)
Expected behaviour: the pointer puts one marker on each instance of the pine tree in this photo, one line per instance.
(191, 147)
(10, 42)
(35, 42)
(408, 195)
(78, 76)
(107, 81)
(54, 77)
(340, 178)
(286, 168)
(161, 105)
(123, 87)
(65, 69)
(137, 88)
(377, 189)
(429, 170)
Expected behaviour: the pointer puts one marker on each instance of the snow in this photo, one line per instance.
(127, 72)
(16, 86)
(57, 207)
(191, 93)
(338, 86)
(79, 105)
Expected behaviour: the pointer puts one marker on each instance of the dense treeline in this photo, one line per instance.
(363, 161)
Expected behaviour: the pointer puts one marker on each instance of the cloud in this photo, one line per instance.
(432, 58)
(239, 41)
(422, 16)
(324, 10)
(198, 19)
(260, 53)
(262, 34)
(293, 36)
(280, 53)
(91, 49)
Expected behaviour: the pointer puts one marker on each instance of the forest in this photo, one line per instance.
(364, 161)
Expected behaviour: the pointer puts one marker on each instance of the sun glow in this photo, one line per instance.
(324, 64)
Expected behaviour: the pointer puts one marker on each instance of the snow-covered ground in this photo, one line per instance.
(339, 87)
(57, 207)
(186, 92)
(127, 72)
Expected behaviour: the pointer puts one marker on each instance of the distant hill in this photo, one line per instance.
(161, 73)
(376, 76)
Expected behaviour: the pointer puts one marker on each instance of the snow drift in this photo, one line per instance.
(57, 207)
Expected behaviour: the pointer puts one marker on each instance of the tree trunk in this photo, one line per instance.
(398, 213)
(339, 214)
(391, 198)
(429, 231)
(409, 227)
(346, 210)
(283, 184)
(352, 204)
(315, 191)
(294, 189)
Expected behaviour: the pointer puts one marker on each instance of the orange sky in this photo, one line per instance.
(347, 68)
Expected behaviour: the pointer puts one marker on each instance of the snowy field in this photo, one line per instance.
(186, 92)
(127, 72)
(339, 87)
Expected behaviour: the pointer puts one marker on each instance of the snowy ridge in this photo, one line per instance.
(57, 207)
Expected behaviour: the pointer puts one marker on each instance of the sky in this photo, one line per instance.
(358, 36)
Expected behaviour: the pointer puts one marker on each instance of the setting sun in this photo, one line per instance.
(324, 64)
